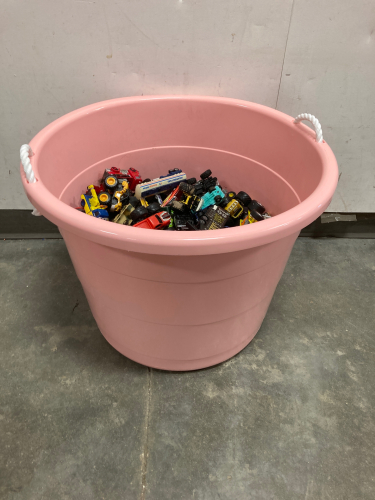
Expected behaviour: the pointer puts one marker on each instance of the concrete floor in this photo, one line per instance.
(290, 417)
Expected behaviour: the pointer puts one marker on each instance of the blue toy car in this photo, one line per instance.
(100, 213)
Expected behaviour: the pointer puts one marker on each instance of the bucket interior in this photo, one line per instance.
(246, 149)
(233, 172)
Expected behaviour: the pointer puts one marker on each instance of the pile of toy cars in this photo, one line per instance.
(170, 202)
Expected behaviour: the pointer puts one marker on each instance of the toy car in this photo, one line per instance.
(159, 185)
(123, 216)
(91, 199)
(174, 171)
(193, 202)
(209, 197)
(234, 208)
(186, 198)
(100, 213)
(119, 197)
(255, 205)
(139, 214)
(181, 220)
(91, 204)
(157, 221)
(214, 218)
(154, 208)
(171, 197)
(254, 216)
(206, 182)
(131, 175)
(258, 207)
(244, 198)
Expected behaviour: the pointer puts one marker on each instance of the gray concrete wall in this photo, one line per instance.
(314, 56)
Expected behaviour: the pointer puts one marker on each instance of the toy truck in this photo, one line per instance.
(131, 175)
(159, 185)
(187, 198)
(209, 197)
(91, 204)
(207, 181)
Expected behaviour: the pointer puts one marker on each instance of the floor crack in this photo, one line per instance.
(145, 447)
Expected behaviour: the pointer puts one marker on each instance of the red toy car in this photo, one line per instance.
(157, 221)
(131, 175)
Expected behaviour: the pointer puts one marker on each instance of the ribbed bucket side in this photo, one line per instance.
(178, 312)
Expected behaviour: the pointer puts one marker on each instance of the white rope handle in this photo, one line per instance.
(314, 121)
(25, 153)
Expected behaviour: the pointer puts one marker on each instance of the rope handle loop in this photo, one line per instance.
(25, 153)
(314, 121)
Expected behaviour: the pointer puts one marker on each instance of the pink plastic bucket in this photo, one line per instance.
(181, 300)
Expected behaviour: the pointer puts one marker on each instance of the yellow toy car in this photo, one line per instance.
(91, 204)
(234, 208)
(120, 196)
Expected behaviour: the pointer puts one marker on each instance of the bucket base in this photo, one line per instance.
(178, 365)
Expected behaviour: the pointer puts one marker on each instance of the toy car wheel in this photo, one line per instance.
(138, 214)
(244, 198)
(145, 180)
(206, 174)
(192, 180)
(111, 182)
(224, 201)
(256, 215)
(258, 207)
(105, 198)
(154, 208)
(186, 187)
(124, 198)
(134, 201)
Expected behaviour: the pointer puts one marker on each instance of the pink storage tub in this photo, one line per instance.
(181, 300)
